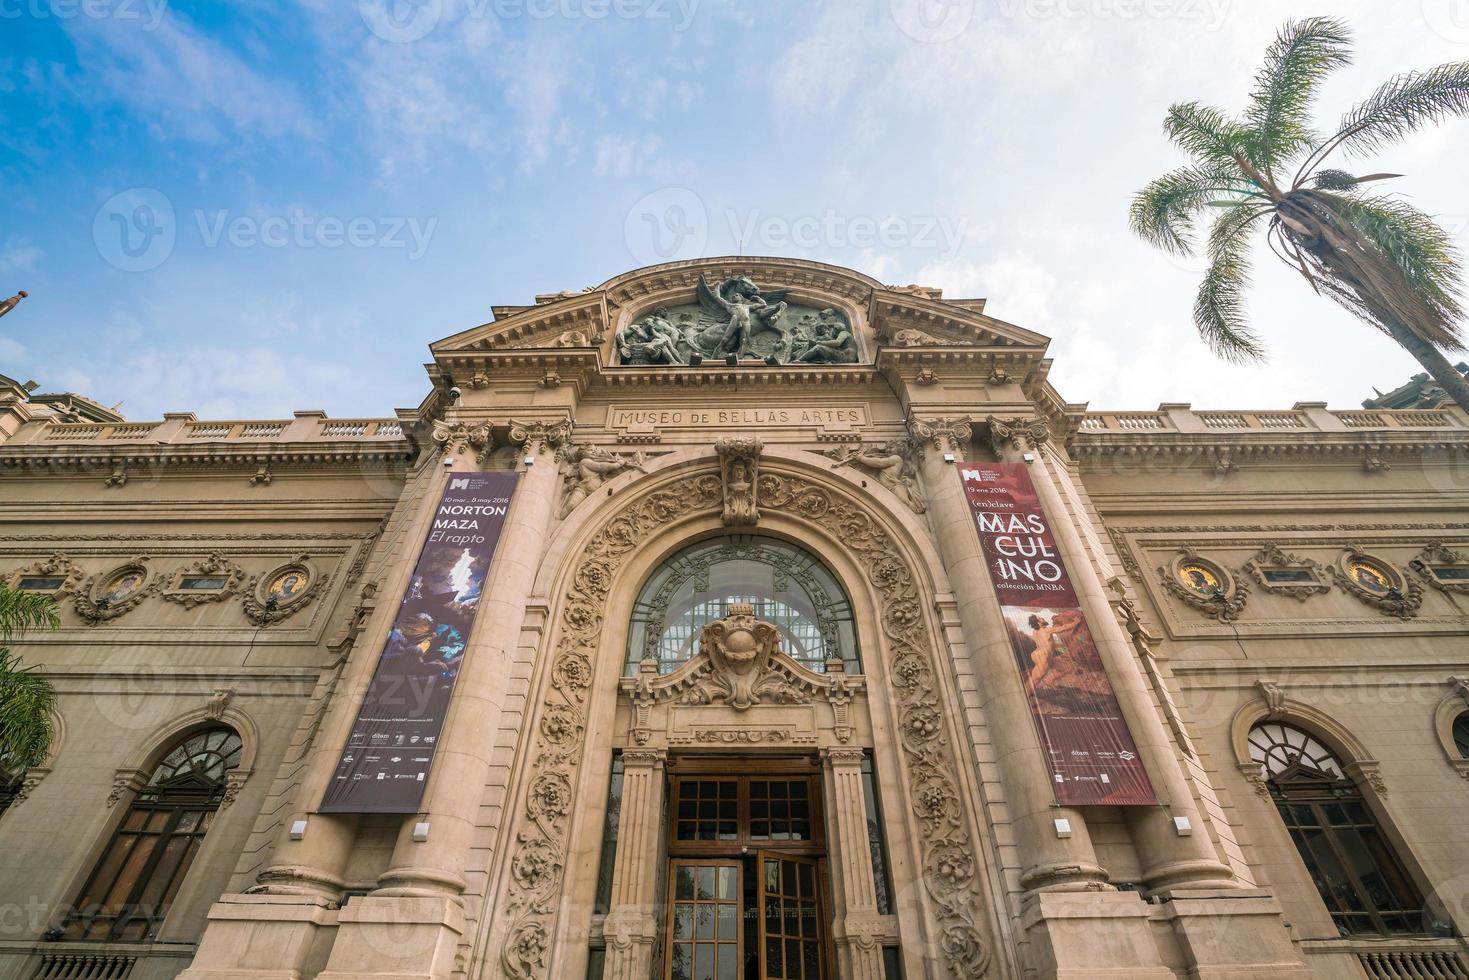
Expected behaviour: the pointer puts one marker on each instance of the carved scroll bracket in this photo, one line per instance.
(464, 438)
(540, 436)
(946, 435)
(739, 468)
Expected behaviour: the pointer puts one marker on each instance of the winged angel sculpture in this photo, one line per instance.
(738, 318)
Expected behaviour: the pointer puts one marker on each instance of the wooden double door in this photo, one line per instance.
(747, 884)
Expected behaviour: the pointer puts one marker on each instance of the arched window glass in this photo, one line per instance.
(1364, 885)
(134, 882)
(787, 586)
(1461, 735)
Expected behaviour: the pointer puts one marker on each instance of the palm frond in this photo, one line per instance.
(1219, 308)
(1279, 115)
(1205, 132)
(1401, 105)
(26, 702)
(1334, 180)
(20, 611)
(1163, 212)
(1423, 255)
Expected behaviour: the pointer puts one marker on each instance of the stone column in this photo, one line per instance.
(410, 926)
(273, 932)
(1051, 862)
(631, 926)
(859, 929)
(1169, 858)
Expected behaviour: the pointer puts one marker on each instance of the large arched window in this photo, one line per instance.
(1461, 735)
(131, 888)
(787, 586)
(1364, 885)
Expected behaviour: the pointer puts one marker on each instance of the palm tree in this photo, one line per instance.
(1383, 260)
(26, 699)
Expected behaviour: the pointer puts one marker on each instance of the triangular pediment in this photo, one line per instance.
(571, 320)
(913, 317)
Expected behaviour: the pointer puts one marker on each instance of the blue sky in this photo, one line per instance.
(246, 208)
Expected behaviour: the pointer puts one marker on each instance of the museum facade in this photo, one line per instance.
(741, 618)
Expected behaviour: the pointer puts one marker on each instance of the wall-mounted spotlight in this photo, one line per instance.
(732, 359)
(695, 359)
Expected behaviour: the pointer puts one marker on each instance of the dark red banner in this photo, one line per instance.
(1092, 755)
(392, 743)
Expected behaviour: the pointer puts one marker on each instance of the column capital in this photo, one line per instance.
(465, 437)
(540, 435)
(944, 434)
(644, 758)
(1019, 434)
(843, 756)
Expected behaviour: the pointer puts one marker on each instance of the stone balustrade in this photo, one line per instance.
(185, 429)
(1303, 417)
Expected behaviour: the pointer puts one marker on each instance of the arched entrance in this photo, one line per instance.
(899, 714)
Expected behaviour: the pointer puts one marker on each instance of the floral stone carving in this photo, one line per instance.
(928, 748)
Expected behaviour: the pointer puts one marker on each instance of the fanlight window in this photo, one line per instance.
(135, 881)
(786, 585)
(1363, 884)
(1461, 735)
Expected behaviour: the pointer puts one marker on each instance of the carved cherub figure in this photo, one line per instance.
(890, 464)
(584, 469)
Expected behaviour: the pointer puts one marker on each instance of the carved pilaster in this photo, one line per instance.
(631, 926)
(855, 878)
(739, 467)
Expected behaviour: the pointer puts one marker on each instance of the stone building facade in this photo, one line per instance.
(740, 698)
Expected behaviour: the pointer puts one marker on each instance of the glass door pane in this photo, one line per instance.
(790, 919)
(704, 912)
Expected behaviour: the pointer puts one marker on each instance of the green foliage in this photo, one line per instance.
(1384, 261)
(26, 698)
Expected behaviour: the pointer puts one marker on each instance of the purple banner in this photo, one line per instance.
(1091, 752)
(392, 744)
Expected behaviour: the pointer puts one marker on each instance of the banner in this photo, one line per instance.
(392, 744)
(1092, 755)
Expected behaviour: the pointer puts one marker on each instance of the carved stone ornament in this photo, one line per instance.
(912, 337)
(736, 319)
(219, 573)
(944, 434)
(1205, 585)
(539, 435)
(739, 467)
(462, 438)
(891, 462)
(219, 702)
(58, 567)
(263, 476)
(28, 782)
(1273, 696)
(739, 648)
(1378, 582)
(119, 477)
(1283, 573)
(282, 592)
(584, 469)
(1021, 435)
(110, 594)
(929, 753)
(1443, 568)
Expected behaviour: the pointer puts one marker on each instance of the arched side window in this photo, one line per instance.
(1364, 885)
(134, 882)
(1461, 735)
(787, 586)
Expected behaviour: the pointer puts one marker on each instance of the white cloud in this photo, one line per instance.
(18, 255)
